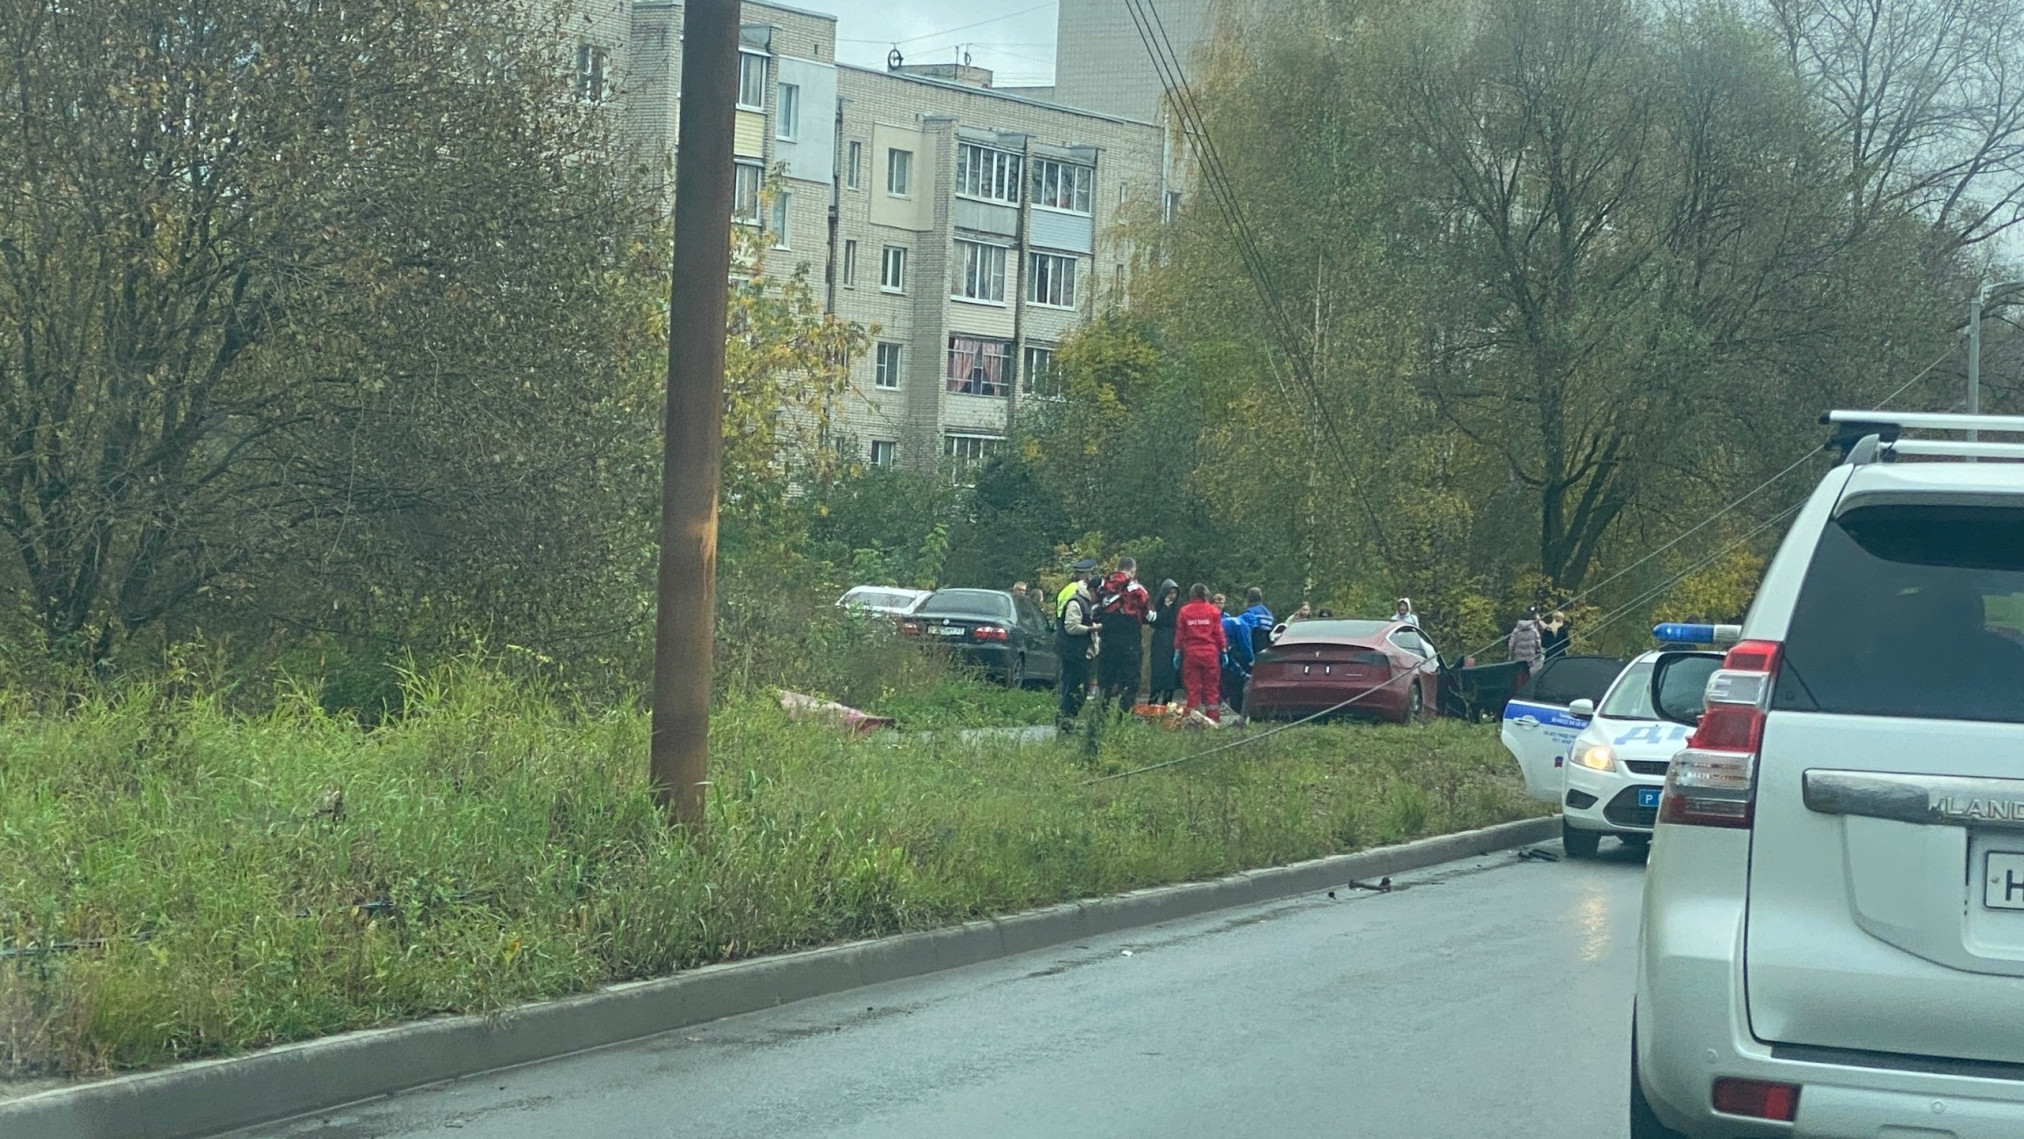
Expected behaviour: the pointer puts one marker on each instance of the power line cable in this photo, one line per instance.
(952, 31)
(1632, 606)
(1173, 78)
(1621, 613)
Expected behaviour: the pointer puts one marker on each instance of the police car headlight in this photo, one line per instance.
(1598, 757)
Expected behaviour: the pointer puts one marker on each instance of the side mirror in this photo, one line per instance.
(1680, 685)
(1582, 709)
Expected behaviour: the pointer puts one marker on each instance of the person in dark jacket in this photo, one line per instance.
(1121, 608)
(1075, 642)
(1554, 636)
(1166, 612)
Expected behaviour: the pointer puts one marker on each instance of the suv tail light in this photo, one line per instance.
(990, 633)
(1713, 783)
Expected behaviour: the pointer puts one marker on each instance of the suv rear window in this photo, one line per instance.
(1567, 679)
(1913, 611)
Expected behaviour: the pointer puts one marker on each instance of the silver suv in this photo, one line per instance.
(1833, 929)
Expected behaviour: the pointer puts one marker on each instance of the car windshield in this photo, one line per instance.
(967, 603)
(879, 597)
(1631, 698)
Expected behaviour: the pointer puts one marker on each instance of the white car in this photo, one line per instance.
(1608, 776)
(1832, 941)
(888, 599)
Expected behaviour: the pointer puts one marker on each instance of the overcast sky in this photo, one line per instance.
(1014, 38)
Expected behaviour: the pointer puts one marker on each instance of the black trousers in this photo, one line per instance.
(1074, 685)
(1117, 675)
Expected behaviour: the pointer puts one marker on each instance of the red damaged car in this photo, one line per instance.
(1373, 669)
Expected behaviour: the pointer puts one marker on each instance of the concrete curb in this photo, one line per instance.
(213, 1096)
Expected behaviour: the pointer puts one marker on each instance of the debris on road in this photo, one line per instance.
(800, 706)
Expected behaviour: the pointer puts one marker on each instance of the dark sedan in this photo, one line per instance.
(1007, 636)
(1369, 669)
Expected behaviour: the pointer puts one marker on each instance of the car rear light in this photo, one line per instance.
(990, 633)
(1757, 1099)
(1713, 783)
(910, 628)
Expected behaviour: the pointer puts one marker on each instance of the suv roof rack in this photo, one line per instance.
(1874, 436)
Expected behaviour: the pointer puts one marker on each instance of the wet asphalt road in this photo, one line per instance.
(1483, 998)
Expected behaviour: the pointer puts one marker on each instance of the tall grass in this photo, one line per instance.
(180, 880)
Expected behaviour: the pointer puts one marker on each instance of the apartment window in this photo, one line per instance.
(884, 452)
(787, 116)
(1037, 377)
(783, 210)
(1050, 280)
(746, 180)
(751, 82)
(983, 276)
(1062, 185)
(899, 172)
(892, 274)
(886, 366)
(853, 156)
(964, 452)
(979, 367)
(983, 172)
(593, 70)
(849, 264)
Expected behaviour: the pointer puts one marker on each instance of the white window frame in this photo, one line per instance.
(900, 170)
(957, 448)
(987, 174)
(889, 448)
(783, 218)
(1050, 279)
(980, 272)
(850, 263)
(787, 112)
(888, 364)
(1030, 372)
(892, 269)
(755, 174)
(854, 155)
(955, 384)
(748, 85)
(1081, 191)
(593, 73)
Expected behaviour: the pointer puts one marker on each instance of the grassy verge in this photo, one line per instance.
(222, 881)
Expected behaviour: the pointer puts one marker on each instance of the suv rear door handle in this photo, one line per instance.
(1929, 800)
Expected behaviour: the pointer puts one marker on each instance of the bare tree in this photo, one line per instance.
(1923, 100)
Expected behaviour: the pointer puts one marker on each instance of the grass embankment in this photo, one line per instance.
(221, 881)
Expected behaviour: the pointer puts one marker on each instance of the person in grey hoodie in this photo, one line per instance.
(1524, 642)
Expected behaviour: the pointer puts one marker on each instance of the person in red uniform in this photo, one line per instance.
(1201, 642)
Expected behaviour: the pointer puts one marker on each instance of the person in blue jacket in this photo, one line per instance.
(1239, 650)
(1257, 621)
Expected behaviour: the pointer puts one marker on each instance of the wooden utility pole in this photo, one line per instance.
(685, 623)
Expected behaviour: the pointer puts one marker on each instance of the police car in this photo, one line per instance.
(1591, 741)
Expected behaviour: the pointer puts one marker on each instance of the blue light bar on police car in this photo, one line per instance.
(1676, 633)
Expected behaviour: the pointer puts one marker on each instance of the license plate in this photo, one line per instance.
(2003, 885)
(948, 631)
(1649, 796)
